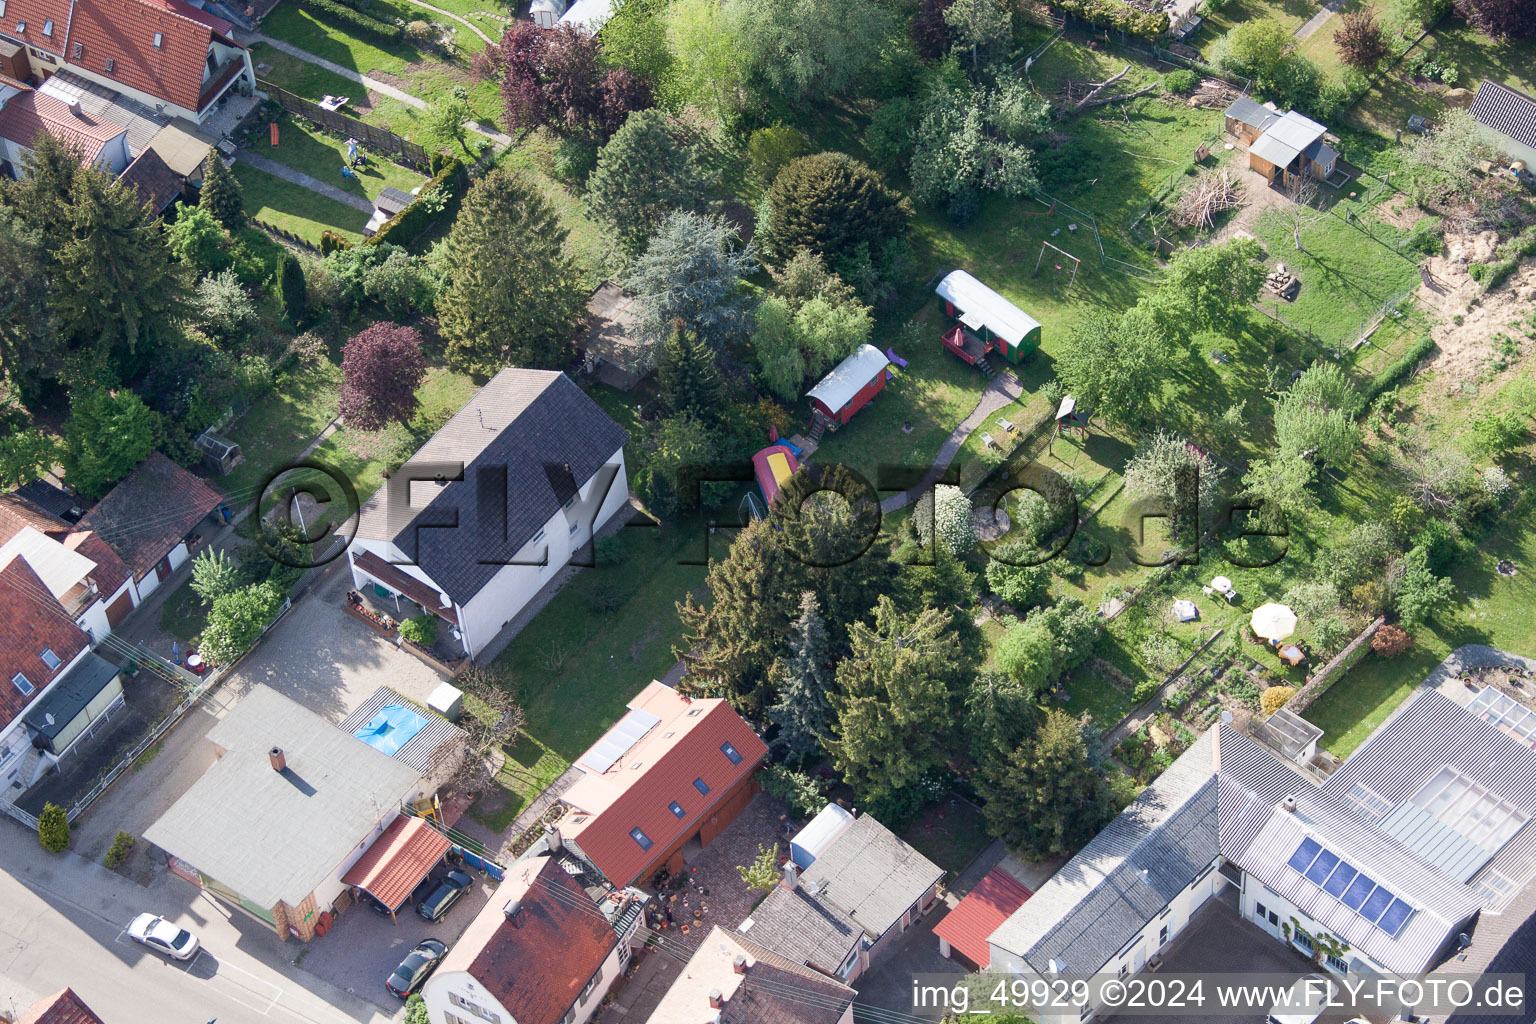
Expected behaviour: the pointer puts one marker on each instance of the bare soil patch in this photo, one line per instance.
(1465, 348)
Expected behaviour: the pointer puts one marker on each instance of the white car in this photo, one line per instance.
(1306, 1001)
(163, 937)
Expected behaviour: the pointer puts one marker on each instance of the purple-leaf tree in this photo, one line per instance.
(381, 368)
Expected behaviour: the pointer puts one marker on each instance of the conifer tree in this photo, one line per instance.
(291, 290)
(896, 700)
(515, 298)
(642, 175)
(222, 195)
(804, 676)
(687, 377)
(1046, 799)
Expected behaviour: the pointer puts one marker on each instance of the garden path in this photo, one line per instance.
(303, 180)
(1315, 22)
(455, 17)
(1003, 390)
(370, 83)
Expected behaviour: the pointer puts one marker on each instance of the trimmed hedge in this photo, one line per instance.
(1388, 378)
(405, 226)
(357, 19)
(1116, 14)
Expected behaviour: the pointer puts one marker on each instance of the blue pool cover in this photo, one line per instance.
(391, 729)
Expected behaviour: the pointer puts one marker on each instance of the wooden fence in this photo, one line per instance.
(377, 139)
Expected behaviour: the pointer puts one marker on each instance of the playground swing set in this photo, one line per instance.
(1076, 262)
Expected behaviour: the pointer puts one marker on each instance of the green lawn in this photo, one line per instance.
(307, 214)
(1491, 609)
(183, 614)
(575, 666)
(322, 156)
(1387, 107)
(363, 458)
(427, 75)
(274, 430)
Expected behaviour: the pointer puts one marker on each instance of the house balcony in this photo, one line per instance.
(215, 85)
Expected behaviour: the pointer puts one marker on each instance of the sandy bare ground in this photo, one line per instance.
(1464, 349)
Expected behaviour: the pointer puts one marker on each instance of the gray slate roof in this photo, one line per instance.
(796, 924)
(1507, 111)
(1250, 113)
(272, 836)
(1126, 874)
(870, 874)
(421, 749)
(531, 424)
(859, 885)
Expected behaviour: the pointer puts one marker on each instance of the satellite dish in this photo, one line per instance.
(48, 718)
(1226, 716)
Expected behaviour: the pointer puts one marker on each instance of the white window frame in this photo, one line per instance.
(48, 27)
(159, 40)
(23, 684)
(52, 660)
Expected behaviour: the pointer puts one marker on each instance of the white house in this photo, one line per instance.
(543, 951)
(1412, 857)
(490, 509)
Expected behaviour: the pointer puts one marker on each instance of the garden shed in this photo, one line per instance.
(985, 317)
(850, 386)
(1281, 146)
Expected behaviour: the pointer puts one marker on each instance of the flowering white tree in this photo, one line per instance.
(947, 511)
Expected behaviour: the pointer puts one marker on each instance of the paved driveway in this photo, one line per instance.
(364, 948)
(328, 661)
(316, 654)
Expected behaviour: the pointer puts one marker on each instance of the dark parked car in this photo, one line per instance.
(415, 968)
(444, 896)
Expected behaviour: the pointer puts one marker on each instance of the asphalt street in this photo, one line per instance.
(62, 921)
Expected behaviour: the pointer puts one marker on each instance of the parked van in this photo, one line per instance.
(1306, 1001)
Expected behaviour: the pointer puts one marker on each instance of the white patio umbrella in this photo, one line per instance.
(1221, 583)
(1273, 621)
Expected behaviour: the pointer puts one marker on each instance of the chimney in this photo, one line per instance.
(716, 999)
(279, 762)
(552, 837)
(514, 912)
(1289, 804)
(791, 877)
(739, 964)
(76, 109)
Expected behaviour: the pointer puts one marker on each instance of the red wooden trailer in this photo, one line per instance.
(850, 386)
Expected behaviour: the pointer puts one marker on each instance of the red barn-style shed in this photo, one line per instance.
(850, 386)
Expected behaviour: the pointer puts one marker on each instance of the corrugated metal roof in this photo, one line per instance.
(996, 313)
(1442, 846)
(401, 857)
(1250, 112)
(871, 874)
(422, 752)
(1507, 111)
(848, 377)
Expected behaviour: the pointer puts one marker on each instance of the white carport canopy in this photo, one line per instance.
(980, 306)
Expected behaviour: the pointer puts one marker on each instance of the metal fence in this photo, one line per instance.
(377, 139)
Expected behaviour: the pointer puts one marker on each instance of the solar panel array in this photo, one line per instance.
(619, 739)
(1351, 887)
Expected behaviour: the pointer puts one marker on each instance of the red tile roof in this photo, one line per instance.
(397, 860)
(684, 745)
(32, 620)
(17, 512)
(63, 1007)
(968, 926)
(26, 115)
(36, 14)
(110, 571)
(124, 30)
(156, 183)
(150, 511)
(537, 967)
